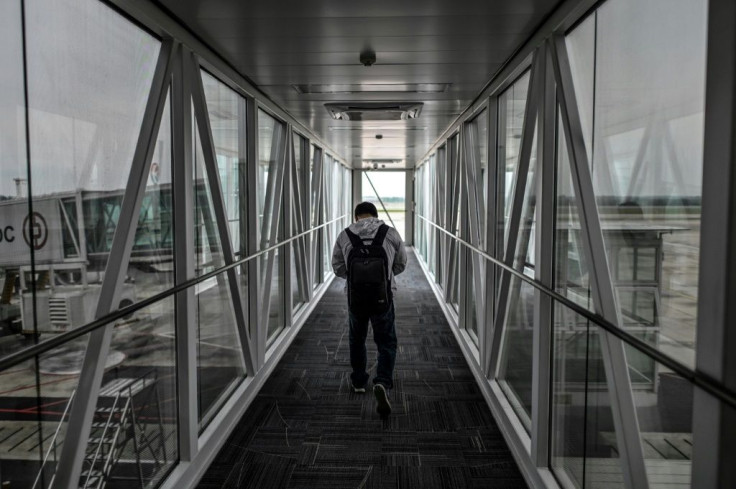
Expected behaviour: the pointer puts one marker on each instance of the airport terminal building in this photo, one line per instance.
(174, 176)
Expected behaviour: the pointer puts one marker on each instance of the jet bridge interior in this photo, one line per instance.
(174, 175)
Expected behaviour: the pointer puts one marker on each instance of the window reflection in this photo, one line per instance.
(642, 116)
(645, 152)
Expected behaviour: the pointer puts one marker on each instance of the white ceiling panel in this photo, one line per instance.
(278, 44)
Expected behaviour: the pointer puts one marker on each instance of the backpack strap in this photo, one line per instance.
(354, 239)
(380, 235)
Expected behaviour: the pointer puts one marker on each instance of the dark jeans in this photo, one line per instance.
(384, 334)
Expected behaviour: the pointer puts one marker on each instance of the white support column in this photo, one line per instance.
(201, 115)
(317, 188)
(453, 172)
(184, 254)
(714, 424)
(494, 189)
(287, 224)
(612, 348)
(251, 196)
(543, 266)
(462, 275)
(438, 216)
(85, 402)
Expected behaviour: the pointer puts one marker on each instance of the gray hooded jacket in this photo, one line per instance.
(367, 229)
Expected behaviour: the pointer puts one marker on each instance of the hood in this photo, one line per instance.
(365, 228)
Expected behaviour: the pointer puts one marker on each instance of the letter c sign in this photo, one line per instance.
(6, 234)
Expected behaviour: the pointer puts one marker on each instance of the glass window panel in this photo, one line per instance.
(141, 365)
(268, 141)
(276, 320)
(207, 237)
(226, 110)
(89, 77)
(584, 446)
(643, 124)
(625, 264)
(300, 214)
(315, 189)
(314, 170)
(36, 396)
(391, 189)
(455, 249)
(141, 362)
(471, 323)
(516, 355)
(15, 254)
(477, 140)
(151, 263)
(327, 191)
(511, 106)
(664, 409)
(271, 211)
(571, 266)
(220, 362)
(584, 438)
(515, 365)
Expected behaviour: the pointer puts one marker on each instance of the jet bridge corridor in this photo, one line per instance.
(174, 175)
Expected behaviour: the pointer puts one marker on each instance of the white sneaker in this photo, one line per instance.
(384, 407)
(357, 390)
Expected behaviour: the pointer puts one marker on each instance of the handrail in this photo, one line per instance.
(52, 443)
(699, 379)
(47, 345)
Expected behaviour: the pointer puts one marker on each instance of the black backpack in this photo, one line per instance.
(369, 288)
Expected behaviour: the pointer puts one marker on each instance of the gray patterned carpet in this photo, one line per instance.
(306, 429)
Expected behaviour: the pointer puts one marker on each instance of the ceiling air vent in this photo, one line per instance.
(306, 89)
(374, 111)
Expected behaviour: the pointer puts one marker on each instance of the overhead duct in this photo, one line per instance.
(374, 111)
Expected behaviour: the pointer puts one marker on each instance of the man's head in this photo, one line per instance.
(365, 210)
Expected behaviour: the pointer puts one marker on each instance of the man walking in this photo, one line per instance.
(369, 254)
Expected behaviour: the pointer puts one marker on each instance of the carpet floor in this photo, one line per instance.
(307, 429)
